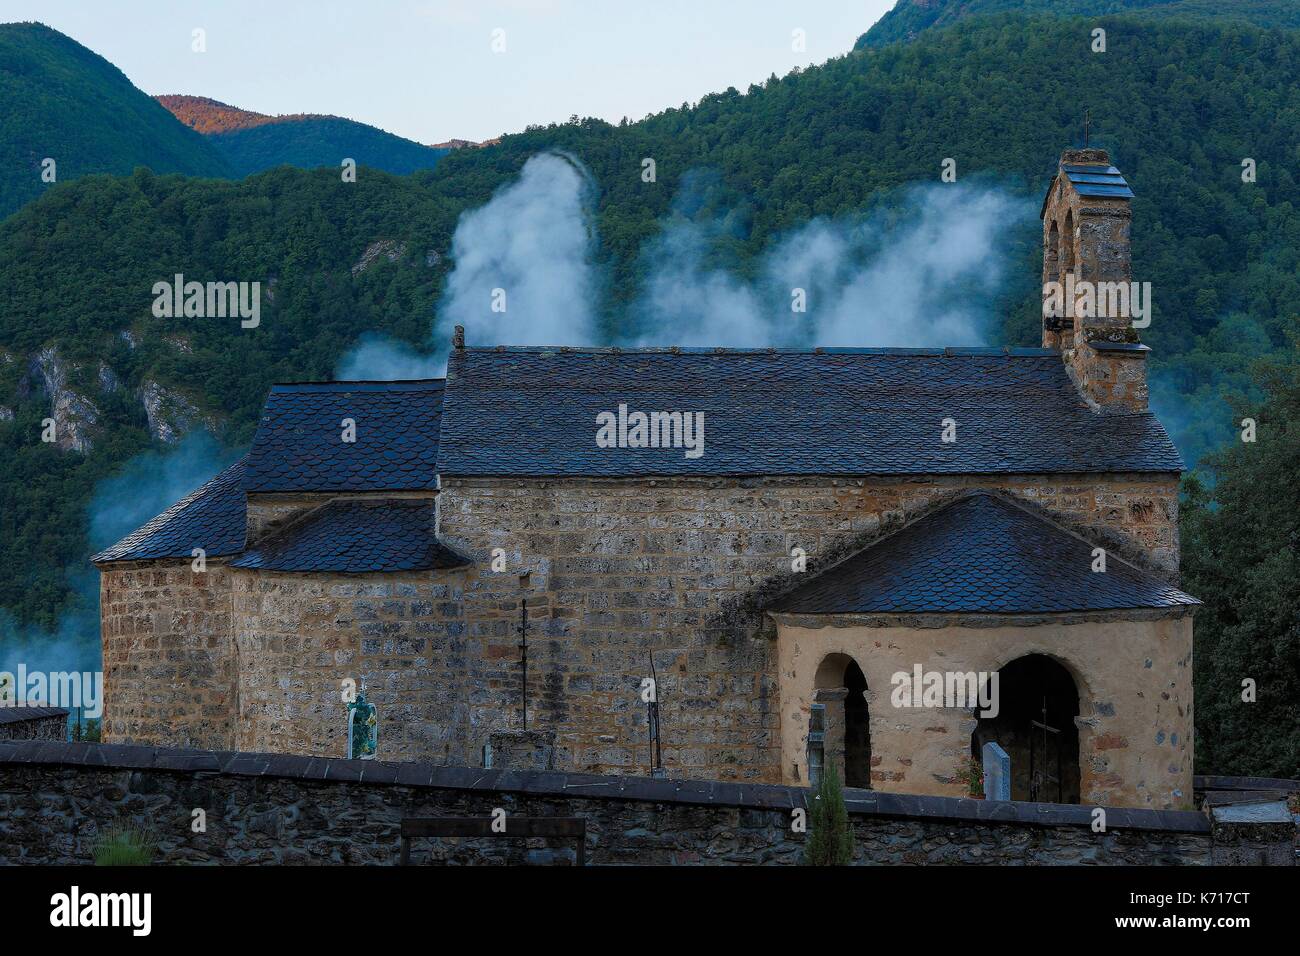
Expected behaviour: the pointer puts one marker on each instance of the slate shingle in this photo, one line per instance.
(212, 518)
(299, 448)
(13, 714)
(532, 411)
(356, 536)
(980, 554)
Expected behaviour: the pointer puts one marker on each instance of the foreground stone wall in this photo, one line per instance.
(1133, 677)
(169, 666)
(614, 571)
(261, 808)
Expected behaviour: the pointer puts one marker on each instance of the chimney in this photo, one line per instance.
(1088, 301)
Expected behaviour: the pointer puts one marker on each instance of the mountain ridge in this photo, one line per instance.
(63, 102)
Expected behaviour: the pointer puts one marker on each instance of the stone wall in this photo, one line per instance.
(262, 808)
(615, 570)
(169, 667)
(298, 637)
(18, 726)
(1133, 678)
(612, 571)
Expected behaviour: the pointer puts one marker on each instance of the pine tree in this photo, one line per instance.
(830, 840)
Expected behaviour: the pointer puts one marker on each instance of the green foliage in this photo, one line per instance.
(317, 141)
(830, 837)
(125, 845)
(61, 101)
(910, 17)
(1241, 556)
(971, 773)
(87, 730)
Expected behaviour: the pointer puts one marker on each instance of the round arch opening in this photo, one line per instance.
(841, 721)
(1038, 701)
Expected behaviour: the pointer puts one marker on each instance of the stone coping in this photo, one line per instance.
(560, 784)
(1212, 782)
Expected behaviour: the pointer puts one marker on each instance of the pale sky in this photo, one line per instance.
(426, 69)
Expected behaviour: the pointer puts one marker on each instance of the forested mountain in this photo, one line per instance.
(1241, 555)
(60, 101)
(251, 142)
(910, 17)
(205, 115)
(1178, 104)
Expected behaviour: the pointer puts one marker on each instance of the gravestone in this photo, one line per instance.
(997, 772)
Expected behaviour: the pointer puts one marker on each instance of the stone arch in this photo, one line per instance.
(840, 690)
(1039, 704)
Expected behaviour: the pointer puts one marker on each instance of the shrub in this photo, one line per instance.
(830, 840)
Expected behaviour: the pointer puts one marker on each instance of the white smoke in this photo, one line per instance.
(922, 271)
(146, 486)
(523, 275)
(922, 275)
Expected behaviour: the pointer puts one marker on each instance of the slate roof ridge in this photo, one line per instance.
(933, 508)
(952, 351)
(362, 385)
(293, 522)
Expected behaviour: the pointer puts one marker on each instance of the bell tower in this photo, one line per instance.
(1088, 306)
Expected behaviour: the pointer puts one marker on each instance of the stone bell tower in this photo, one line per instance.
(1088, 302)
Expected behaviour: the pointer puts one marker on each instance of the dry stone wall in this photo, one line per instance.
(268, 808)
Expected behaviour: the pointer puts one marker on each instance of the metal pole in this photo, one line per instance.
(523, 647)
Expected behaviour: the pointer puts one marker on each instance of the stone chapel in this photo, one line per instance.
(479, 564)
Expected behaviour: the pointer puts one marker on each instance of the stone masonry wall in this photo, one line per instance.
(264, 809)
(169, 668)
(1133, 678)
(299, 636)
(54, 727)
(614, 571)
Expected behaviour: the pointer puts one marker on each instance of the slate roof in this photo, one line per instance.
(298, 446)
(1103, 181)
(1091, 181)
(12, 714)
(212, 518)
(980, 554)
(356, 536)
(532, 411)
